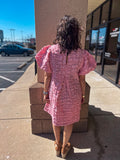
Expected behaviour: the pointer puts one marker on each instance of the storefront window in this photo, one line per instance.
(110, 69)
(104, 42)
(112, 52)
(100, 48)
(87, 40)
(102, 34)
(119, 36)
(118, 44)
(105, 12)
(118, 50)
(115, 12)
(94, 36)
(96, 16)
(89, 19)
(93, 44)
(113, 43)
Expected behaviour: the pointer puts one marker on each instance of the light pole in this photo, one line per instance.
(12, 34)
(22, 36)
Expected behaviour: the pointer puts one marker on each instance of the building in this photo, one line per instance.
(103, 39)
(33, 41)
(1, 36)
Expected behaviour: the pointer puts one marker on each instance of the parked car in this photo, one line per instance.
(11, 49)
(20, 44)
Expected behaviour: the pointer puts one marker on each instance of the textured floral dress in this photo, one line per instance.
(65, 91)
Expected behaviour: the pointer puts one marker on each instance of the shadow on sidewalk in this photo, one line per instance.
(101, 138)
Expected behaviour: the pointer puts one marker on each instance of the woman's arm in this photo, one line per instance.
(47, 80)
(83, 85)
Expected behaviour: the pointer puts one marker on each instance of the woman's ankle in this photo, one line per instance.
(64, 144)
(58, 142)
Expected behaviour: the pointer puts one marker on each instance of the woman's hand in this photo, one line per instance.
(83, 85)
(46, 98)
(47, 80)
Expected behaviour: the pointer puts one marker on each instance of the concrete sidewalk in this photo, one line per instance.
(101, 142)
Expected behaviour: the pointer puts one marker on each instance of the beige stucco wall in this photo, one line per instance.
(48, 14)
(93, 4)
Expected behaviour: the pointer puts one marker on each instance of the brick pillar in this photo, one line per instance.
(47, 16)
(41, 120)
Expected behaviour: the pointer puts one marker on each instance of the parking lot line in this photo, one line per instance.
(7, 79)
(2, 71)
(10, 62)
(1, 89)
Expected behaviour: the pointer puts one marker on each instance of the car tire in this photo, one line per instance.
(3, 54)
(25, 54)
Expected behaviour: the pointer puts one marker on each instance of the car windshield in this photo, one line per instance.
(18, 46)
(10, 46)
(4, 46)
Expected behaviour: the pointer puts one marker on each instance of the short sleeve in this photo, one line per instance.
(88, 64)
(43, 59)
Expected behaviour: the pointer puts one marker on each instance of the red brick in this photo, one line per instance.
(37, 111)
(84, 111)
(45, 126)
(87, 93)
(40, 75)
(41, 126)
(36, 93)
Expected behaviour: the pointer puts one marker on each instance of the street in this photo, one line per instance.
(12, 68)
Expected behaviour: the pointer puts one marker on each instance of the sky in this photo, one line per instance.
(18, 15)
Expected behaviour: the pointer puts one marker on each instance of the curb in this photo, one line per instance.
(22, 65)
(30, 59)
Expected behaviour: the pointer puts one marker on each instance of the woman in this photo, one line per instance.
(65, 65)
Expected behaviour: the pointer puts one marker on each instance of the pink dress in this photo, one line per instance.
(65, 90)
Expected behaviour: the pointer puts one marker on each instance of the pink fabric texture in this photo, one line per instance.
(65, 90)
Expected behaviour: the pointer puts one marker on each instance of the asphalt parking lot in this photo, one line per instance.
(12, 68)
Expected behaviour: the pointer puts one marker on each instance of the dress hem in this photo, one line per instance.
(66, 123)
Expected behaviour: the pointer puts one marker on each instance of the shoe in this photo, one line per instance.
(65, 149)
(58, 147)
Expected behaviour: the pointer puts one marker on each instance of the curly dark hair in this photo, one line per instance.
(68, 34)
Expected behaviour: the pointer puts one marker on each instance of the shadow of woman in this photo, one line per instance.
(101, 141)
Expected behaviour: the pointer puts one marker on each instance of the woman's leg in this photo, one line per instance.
(67, 133)
(56, 130)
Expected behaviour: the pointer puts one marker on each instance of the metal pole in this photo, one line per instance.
(35, 67)
(22, 35)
